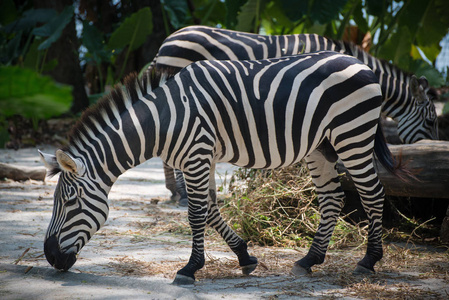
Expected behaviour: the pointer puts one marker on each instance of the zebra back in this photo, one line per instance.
(417, 117)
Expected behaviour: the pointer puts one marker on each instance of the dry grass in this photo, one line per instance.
(278, 208)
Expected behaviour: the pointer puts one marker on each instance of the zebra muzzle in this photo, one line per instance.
(59, 260)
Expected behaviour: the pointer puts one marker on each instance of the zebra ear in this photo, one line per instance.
(423, 82)
(50, 162)
(417, 88)
(70, 164)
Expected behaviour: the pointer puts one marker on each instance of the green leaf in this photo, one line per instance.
(397, 49)
(359, 19)
(178, 12)
(210, 12)
(421, 68)
(133, 31)
(426, 20)
(324, 11)
(294, 9)
(25, 92)
(431, 52)
(30, 18)
(54, 28)
(376, 7)
(92, 37)
(247, 16)
(232, 9)
(275, 20)
(32, 58)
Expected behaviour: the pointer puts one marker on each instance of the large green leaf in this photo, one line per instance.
(30, 18)
(434, 23)
(397, 48)
(247, 16)
(54, 28)
(133, 31)
(92, 37)
(25, 92)
(324, 11)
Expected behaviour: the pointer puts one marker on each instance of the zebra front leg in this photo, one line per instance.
(330, 198)
(197, 182)
(237, 244)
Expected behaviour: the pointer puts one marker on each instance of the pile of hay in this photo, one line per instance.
(279, 208)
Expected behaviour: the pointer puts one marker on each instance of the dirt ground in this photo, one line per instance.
(146, 240)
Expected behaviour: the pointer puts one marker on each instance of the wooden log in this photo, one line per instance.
(428, 160)
(19, 173)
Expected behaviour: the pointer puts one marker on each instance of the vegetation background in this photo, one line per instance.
(60, 56)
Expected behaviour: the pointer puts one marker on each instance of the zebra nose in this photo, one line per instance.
(55, 257)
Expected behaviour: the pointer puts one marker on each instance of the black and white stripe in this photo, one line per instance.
(256, 114)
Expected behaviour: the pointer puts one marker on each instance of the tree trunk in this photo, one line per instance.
(65, 51)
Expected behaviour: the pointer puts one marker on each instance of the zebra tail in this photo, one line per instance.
(392, 164)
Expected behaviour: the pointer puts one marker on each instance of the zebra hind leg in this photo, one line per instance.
(181, 188)
(236, 243)
(170, 182)
(372, 195)
(321, 164)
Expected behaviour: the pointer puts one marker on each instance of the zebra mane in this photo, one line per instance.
(123, 92)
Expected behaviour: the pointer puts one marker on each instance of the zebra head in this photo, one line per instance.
(422, 122)
(79, 210)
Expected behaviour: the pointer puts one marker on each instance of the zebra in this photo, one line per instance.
(256, 114)
(406, 99)
(414, 111)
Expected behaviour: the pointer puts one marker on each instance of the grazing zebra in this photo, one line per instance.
(405, 98)
(255, 114)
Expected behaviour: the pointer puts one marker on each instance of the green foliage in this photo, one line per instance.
(133, 32)
(248, 18)
(53, 29)
(26, 93)
(178, 13)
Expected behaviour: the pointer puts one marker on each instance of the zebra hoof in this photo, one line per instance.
(299, 271)
(246, 270)
(183, 280)
(361, 270)
(183, 202)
